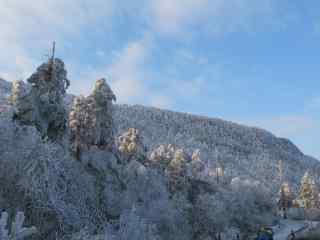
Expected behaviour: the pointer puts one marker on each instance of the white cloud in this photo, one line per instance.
(127, 72)
(160, 101)
(286, 126)
(27, 31)
(28, 28)
(214, 16)
(302, 129)
(170, 15)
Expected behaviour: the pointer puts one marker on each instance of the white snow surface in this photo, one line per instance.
(286, 227)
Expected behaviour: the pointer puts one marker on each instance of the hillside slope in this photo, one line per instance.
(241, 150)
(82, 183)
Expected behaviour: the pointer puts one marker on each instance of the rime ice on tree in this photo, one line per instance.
(41, 102)
(91, 121)
(16, 231)
(309, 194)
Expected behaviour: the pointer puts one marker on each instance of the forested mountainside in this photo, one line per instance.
(84, 168)
(240, 150)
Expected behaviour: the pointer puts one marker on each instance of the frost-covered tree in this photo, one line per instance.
(309, 193)
(177, 170)
(248, 205)
(90, 119)
(48, 88)
(210, 216)
(81, 124)
(134, 227)
(285, 196)
(162, 155)
(197, 165)
(16, 231)
(21, 100)
(103, 97)
(130, 144)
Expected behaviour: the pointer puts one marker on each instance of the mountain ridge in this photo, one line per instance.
(241, 150)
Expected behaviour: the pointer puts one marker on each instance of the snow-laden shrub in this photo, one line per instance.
(162, 155)
(250, 205)
(56, 193)
(210, 216)
(130, 145)
(134, 227)
(16, 230)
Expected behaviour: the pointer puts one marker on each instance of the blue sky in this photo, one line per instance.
(248, 61)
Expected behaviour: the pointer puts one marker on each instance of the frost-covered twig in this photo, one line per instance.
(18, 232)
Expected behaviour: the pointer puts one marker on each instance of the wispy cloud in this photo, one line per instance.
(127, 71)
(27, 30)
(216, 16)
(128, 75)
(302, 127)
(286, 126)
(170, 16)
(161, 101)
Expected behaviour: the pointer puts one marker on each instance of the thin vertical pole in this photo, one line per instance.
(53, 50)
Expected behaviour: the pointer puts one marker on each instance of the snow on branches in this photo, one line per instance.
(40, 103)
(162, 155)
(16, 231)
(130, 143)
(90, 119)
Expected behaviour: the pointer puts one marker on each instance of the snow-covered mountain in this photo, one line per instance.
(83, 184)
(240, 150)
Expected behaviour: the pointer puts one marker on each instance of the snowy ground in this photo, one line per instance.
(282, 232)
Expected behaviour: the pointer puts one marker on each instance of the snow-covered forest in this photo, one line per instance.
(82, 167)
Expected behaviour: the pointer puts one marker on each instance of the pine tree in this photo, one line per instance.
(80, 124)
(309, 194)
(285, 197)
(130, 143)
(177, 170)
(101, 99)
(48, 88)
(162, 155)
(196, 163)
(90, 119)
